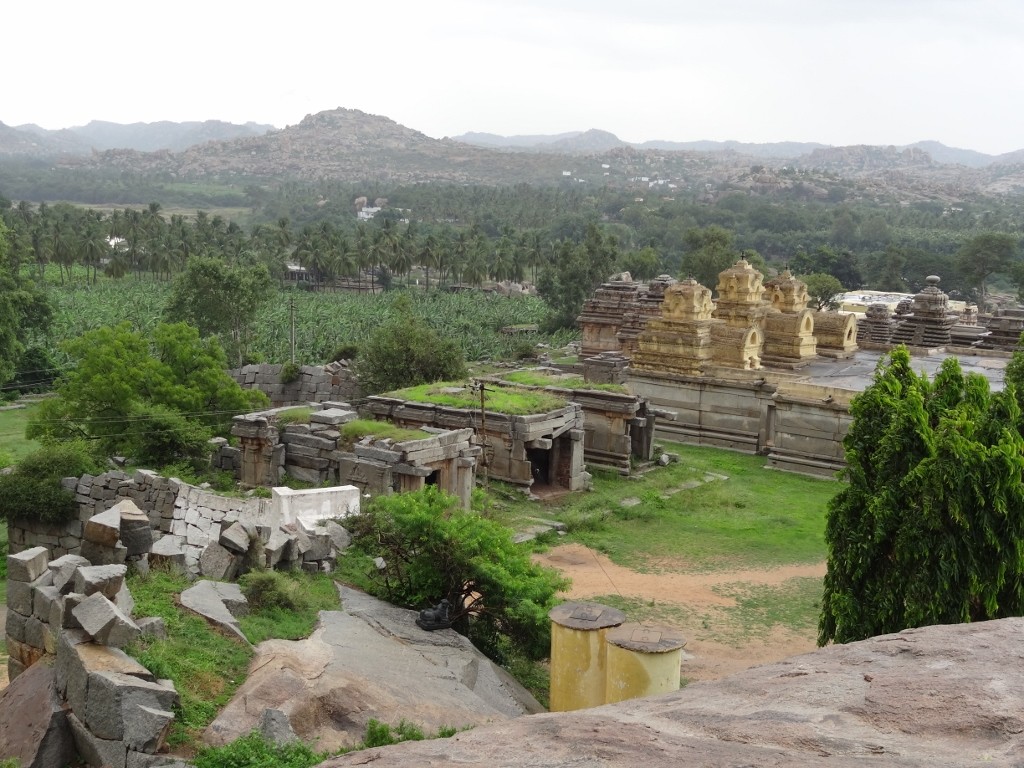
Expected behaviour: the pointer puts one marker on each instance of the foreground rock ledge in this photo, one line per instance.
(945, 695)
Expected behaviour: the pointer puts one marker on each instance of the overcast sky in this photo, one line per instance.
(833, 71)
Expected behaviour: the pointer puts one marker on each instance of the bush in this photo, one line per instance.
(162, 436)
(253, 751)
(290, 373)
(270, 589)
(33, 491)
(435, 550)
(344, 352)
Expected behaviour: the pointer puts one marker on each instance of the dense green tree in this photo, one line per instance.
(574, 272)
(929, 528)
(155, 398)
(435, 550)
(220, 299)
(982, 256)
(823, 290)
(405, 352)
(24, 312)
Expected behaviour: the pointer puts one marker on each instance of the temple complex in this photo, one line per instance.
(789, 338)
(679, 340)
(646, 306)
(603, 313)
(929, 321)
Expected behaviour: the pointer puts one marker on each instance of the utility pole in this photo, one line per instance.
(291, 307)
(484, 462)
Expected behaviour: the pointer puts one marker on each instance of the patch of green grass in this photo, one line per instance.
(255, 751)
(298, 415)
(293, 618)
(206, 666)
(12, 432)
(360, 428)
(795, 604)
(515, 402)
(537, 378)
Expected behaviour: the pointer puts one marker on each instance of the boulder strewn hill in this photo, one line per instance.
(936, 696)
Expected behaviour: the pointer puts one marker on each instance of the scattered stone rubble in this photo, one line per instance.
(316, 384)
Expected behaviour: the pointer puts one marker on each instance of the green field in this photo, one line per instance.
(12, 433)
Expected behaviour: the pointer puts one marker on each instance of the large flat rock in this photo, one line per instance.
(370, 660)
(936, 696)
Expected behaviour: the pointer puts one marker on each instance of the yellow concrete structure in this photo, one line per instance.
(642, 661)
(579, 654)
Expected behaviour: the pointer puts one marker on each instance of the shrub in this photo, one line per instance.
(435, 550)
(290, 373)
(256, 752)
(344, 352)
(270, 589)
(33, 491)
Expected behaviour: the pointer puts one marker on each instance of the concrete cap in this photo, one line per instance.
(586, 616)
(646, 638)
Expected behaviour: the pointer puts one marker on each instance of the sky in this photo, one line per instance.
(832, 71)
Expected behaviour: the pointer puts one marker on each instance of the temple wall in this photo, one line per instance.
(798, 426)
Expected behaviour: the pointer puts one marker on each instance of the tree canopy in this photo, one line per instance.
(930, 529)
(23, 311)
(435, 550)
(156, 399)
(405, 352)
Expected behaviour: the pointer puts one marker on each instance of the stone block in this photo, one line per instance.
(104, 528)
(111, 712)
(274, 550)
(34, 730)
(19, 597)
(235, 537)
(15, 626)
(63, 571)
(217, 562)
(106, 579)
(26, 655)
(339, 535)
(168, 551)
(27, 565)
(105, 622)
(34, 630)
(152, 626)
(98, 554)
(124, 600)
(42, 601)
(136, 532)
(77, 659)
(95, 751)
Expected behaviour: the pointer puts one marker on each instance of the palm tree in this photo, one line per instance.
(430, 257)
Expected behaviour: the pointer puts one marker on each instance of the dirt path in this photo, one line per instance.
(701, 609)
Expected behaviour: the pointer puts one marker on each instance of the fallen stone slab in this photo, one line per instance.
(104, 528)
(168, 552)
(105, 622)
(152, 626)
(100, 554)
(111, 708)
(63, 571)
(34, 729)
(27, 565)
(205, 599)
(217, 562)
(236, 538)
(77, 657)
(339, 535)
(124, 600)
(97, 752)
(136, 531)
(105, 579)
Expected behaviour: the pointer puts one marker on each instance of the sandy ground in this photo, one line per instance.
(707, 654)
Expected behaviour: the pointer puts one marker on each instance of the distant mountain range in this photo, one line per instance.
(353, 146)
(32, 140)
(588, 142)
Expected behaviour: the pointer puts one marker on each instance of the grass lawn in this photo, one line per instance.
(713, 510)
(12, 432)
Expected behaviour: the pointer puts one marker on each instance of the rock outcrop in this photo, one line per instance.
(370, 660)
(936, 696)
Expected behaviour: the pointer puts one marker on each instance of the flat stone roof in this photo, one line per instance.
(858, 372)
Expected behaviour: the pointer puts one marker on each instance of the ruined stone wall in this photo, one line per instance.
(799, 427)
(191, 516)
(316, 384)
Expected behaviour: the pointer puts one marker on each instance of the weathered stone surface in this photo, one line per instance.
(339, 535)
(935, 696)
(236, 538)
(15, 625)
(100, 554)
(152, 626)
(33, 726)
(206, 599)
(110, 712)
(273, 550)
(276, 728)
(370, 661)
(105, 528)
(136, 532)
(217, 562)
(27, 565)
(77, 658)
(97, 753)
(168, 552)
(332, 416)
(63, 570)
(104, 622)
(124, 600)
(105, 579)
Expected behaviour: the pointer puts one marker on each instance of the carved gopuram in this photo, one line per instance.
(875, 330)
(928, 324)
(737, 337)
(646, 306)
(602, 316)
(679, 341)
(789, 339)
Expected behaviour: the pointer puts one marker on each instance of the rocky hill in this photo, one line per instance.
(936, 696)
